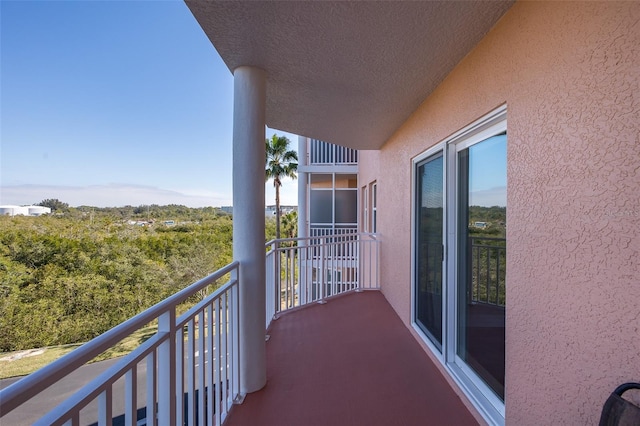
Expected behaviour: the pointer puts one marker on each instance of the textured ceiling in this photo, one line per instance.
(349, 73)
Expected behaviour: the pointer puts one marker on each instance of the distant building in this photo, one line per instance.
(9, 210)
(270, 211)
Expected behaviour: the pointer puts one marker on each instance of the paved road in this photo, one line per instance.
(29, 412)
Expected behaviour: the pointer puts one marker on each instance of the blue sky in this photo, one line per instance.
(113, 103)
(488, 172)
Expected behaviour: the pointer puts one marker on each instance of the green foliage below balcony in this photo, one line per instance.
(67, 278)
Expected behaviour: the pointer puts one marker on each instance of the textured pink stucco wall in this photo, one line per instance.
(570, 76)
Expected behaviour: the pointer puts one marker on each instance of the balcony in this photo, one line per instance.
(350, 361)
(336, 354)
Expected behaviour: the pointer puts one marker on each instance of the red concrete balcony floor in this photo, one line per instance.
(349, 362)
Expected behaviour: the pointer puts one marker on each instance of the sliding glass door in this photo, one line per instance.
(429, 247)
(460, 252)
(481, 241)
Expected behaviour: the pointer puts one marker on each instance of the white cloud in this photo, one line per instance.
(116, 195)
(110, 195)
(489, 197)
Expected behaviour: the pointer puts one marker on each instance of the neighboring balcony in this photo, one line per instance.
(324, 153)
(337, 353)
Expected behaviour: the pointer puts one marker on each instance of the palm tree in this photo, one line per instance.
(280, 163)
(290, 227)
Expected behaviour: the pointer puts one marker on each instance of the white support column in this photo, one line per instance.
(248, 221)
(305, 272)
(302, 188)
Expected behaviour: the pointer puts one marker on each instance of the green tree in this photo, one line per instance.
(280, 162)
(54, 204)
(290, 225)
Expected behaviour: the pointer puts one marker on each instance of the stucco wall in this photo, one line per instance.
(570, 76)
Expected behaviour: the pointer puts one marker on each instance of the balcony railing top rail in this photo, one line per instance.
(210, 328)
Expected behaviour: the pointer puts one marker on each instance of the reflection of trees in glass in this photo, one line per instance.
(487, 249)
(494, 220)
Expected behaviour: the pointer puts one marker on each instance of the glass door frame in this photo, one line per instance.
(480, 394)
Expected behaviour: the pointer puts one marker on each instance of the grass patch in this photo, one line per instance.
(21, 363)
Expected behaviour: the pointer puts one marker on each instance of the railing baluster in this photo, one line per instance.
(179, 394)
(287, 282)
(477, 271)
(209, 360)
(216, 365)
(105, 403)
(200, 368)
(292, 273)
(191, 365)
(130, 397)
(151, 389)
(278, 294)
(497, 276)
(488, 273)
(223, 350)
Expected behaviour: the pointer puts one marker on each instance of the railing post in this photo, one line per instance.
(235, 326)
(167, 369)
(277, 278)
(377, 244)
(358, 263)
(105, 402)
(130, 397)
(321, 272)
(152, 396)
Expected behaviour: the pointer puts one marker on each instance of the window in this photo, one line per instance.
(369, 207)
(459, 256)
(364, 218)
(333, 203)
(374, 210)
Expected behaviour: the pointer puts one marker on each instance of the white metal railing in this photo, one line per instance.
(316, 230)
(177, 387)
(321, 152)
(305, 270)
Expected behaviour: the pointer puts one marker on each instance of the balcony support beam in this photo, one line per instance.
(248, 220)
